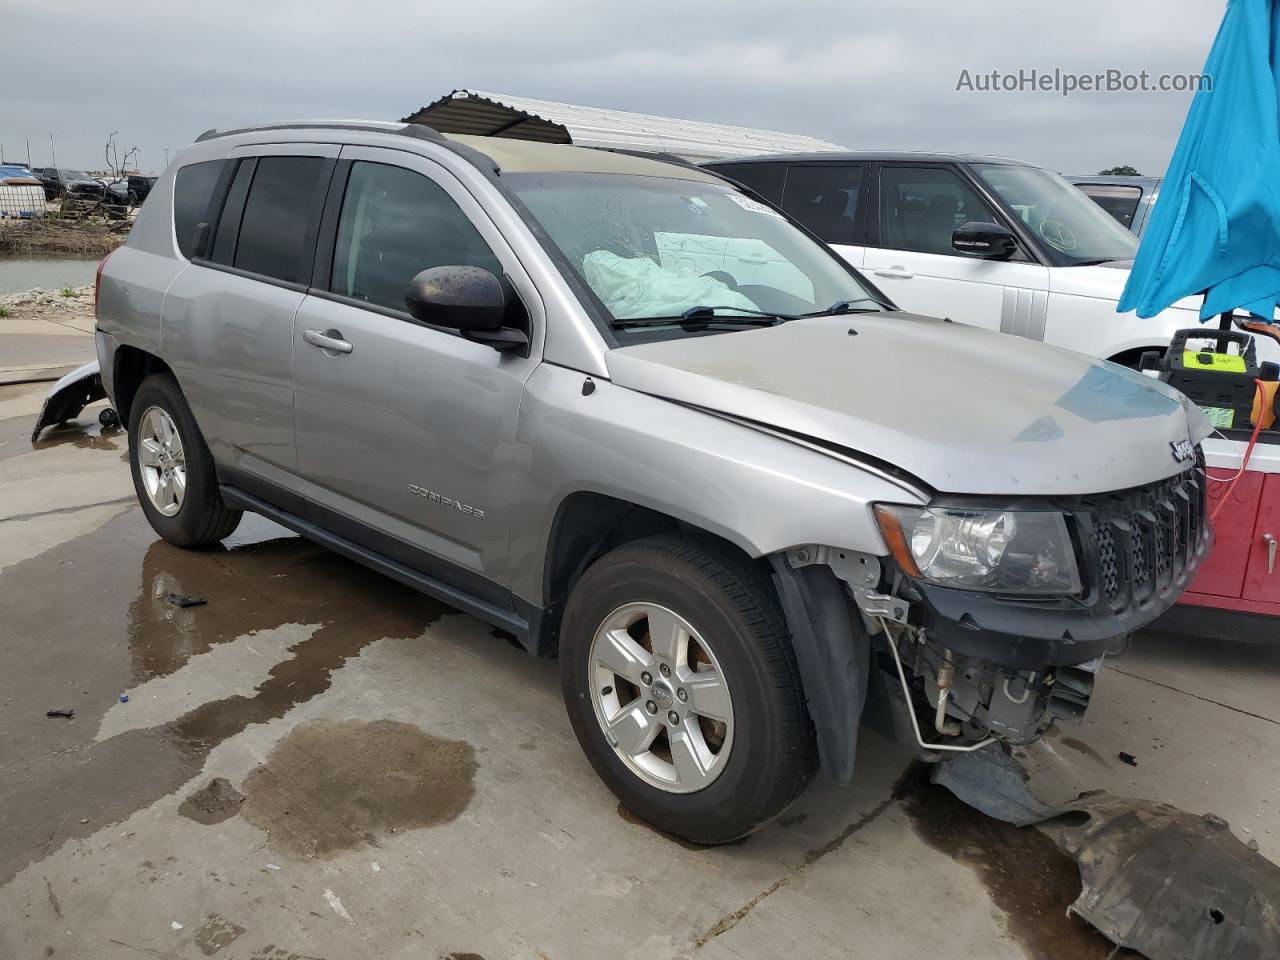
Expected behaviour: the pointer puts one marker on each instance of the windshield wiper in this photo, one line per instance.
(702, 315)
(847, 306)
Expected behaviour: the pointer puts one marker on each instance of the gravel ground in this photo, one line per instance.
(53, 306)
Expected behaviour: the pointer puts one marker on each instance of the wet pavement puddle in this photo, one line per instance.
(88, 621)
(330, 786)
(215, 802)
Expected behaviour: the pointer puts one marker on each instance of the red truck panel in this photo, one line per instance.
(1259, 584)
(1223, 573)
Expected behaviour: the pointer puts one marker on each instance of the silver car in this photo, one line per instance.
(643, 420)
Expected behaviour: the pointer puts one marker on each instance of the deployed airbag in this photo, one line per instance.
(636, 287)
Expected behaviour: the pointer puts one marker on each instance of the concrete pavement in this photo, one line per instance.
(397, 780)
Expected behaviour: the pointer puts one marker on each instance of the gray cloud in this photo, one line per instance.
(862, 74)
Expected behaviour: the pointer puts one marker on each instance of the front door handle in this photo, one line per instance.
(327, 340)
(754, 260)
(1270, 541)
(894, 273)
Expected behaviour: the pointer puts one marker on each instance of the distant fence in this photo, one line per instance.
(27, 202)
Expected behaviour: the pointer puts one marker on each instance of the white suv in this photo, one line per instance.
(981, 240)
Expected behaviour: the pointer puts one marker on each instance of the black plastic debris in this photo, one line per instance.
(1169, 884)
(992, 782)
(1128, 758)
(67, 712)
(182, 600)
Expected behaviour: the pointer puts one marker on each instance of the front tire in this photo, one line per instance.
(682, 687)
(172, 468)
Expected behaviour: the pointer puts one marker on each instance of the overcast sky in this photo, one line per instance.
(866, 75)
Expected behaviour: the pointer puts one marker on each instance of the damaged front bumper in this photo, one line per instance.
(69, 396)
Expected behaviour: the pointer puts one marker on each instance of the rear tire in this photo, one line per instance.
(621, 679)
(175, 482)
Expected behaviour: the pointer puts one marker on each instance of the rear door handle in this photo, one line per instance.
(327, 340)
(895, 273)
(1270, 541)
(754, 260)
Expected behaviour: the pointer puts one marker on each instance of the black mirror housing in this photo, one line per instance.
(990, 241)
(467, 299)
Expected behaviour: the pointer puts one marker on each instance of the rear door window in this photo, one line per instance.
(825, 199)
(192, 190)
(277, 229)
(394, 224)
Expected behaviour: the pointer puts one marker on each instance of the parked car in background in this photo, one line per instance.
(86, 188)
(56, 179)
(1128, 199)
(21, 192)
(988, 241)
(627, 366)
(139, 188)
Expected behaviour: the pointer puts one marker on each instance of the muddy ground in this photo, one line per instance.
(320, 763)
(54, 236)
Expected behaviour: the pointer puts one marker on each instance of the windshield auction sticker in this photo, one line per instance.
(755, 206)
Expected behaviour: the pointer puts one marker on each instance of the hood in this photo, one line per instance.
(1104, 281)
(963, 409)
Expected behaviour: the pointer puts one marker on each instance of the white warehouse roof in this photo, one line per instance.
(522, 118)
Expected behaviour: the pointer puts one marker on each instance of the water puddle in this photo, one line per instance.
(88, 620)
(329, 787)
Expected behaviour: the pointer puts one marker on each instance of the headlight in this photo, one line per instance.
(1002, 551)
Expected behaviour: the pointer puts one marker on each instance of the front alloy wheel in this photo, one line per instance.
(661, 698)
(682, 686)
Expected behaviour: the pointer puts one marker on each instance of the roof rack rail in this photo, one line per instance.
(416, 130)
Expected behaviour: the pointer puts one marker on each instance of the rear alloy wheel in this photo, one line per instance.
(161, 461)
(682, 687)
(173, 470)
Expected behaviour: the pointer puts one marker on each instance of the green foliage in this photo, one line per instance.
(68, 292)
(1124, 171)
(3, 313)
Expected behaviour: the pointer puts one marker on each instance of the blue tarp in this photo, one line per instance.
(1216, 224)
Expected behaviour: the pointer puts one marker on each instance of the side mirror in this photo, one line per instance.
(990, 241)
(470, 300)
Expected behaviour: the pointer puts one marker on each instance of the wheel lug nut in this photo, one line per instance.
(646, 678)
(651, 707)
(682, 695)
(673, 717)
(664, 670)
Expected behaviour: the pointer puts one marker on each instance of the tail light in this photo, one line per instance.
(97, 281)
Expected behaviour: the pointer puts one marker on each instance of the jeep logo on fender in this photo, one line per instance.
(444, 501)
(1183, 450)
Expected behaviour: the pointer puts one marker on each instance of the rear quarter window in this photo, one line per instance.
(192, 190)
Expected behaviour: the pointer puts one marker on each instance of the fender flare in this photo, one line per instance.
(833, 652)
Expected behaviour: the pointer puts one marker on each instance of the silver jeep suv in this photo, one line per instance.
(641, 419)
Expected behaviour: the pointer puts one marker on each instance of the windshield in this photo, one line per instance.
(652, 248)
(1072, 228)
